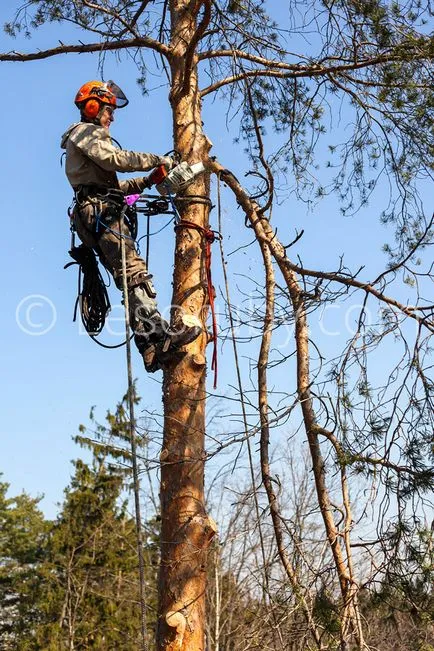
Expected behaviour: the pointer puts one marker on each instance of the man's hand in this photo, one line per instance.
(168, 162)
(146, 182)
(160, 172)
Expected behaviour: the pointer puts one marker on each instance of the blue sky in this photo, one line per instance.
(49, 381)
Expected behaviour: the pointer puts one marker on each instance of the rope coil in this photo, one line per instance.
(92, 297)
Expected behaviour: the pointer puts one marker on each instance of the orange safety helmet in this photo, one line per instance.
(93, 94)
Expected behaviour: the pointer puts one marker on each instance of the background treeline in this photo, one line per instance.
(72, 582)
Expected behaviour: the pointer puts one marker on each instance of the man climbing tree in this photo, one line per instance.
(294, 70)
(99, 214)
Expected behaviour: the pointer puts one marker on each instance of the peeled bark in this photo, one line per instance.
(186, 529)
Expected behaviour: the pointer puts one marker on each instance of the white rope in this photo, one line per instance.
(132, 423)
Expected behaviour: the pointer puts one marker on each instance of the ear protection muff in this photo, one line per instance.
(91, 109)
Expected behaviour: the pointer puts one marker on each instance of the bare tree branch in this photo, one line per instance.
(282, 70)
(107, 46)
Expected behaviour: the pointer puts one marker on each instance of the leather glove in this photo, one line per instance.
(168, 162)
(145, 182)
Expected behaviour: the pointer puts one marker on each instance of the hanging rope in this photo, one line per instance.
(209, 236)
(132, 424)
(148, 240)
(266, 588)
(92, 296)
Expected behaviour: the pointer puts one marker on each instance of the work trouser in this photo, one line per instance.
(105, 236)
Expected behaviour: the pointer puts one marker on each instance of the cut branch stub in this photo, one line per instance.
(177, 620)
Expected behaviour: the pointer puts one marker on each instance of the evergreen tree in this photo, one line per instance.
(73, 583)
(93, 552)
(93, 556)
(23, 552)
(330, 98)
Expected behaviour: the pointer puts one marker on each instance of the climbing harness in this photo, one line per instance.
(92, 297)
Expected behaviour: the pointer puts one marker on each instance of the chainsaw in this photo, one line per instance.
(177, 179)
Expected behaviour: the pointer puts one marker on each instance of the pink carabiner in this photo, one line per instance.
(131, 199)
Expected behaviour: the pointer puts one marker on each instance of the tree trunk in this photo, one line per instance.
(186, 528)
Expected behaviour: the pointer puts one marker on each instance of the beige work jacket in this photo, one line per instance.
(92, 159)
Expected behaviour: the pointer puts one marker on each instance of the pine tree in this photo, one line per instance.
(93, 557)
(93, 553)
(328, 97)
(73, 583)
(23, 551)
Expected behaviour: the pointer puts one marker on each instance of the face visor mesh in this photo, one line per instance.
(121, 99)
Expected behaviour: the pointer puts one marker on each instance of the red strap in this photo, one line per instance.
(209, 236)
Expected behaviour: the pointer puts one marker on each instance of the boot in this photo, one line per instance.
(173, 340)
(150, 359)
(148, 334)
(158, 341)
